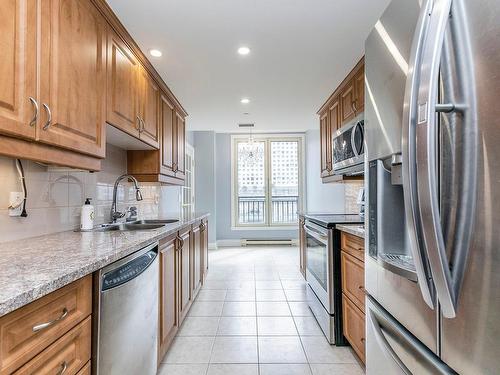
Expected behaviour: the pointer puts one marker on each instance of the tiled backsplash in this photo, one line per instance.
(351, 196)
(55, 196)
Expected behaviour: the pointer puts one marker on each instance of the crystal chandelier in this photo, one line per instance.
(251, 152)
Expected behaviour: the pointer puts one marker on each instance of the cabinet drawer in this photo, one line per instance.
(353, 279)
(86, 370)
(23, 333)
(354, 326)
(67, 355)
(353, 245)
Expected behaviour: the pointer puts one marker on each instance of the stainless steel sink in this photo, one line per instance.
(163, 222)
(127, 227)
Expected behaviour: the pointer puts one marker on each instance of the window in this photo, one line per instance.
(267, 180)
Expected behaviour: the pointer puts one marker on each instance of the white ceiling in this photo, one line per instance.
(300, 51)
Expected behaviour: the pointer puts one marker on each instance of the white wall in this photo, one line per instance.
(321, 197)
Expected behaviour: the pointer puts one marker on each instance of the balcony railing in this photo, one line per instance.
(252, 210)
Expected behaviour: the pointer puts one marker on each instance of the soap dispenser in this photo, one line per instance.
(87, 216)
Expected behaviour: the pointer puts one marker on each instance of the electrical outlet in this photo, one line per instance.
(16, 200)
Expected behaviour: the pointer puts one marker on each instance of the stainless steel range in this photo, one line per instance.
(324, 292)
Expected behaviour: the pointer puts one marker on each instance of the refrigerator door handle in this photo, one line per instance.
(409, 171)
(380, 319)
(446, 280)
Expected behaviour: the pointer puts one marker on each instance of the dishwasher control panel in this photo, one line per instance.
(128, 271)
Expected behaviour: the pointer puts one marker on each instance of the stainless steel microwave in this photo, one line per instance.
(348, 149)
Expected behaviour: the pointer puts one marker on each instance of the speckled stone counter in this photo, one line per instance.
(356, 230)
(33, 267)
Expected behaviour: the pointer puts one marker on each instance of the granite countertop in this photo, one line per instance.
(33, 267)
(356, 230)
(331, 220)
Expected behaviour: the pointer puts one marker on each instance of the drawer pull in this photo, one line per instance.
(362, 289)
(64, 367)
(42, 326)
(363, 340)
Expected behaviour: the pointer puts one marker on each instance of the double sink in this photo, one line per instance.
(135, 225)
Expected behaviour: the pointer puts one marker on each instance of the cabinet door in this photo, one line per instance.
(169, 320)
(168, 126)
(325, 146)
(204, 248)
(359, 90)
(18, 68)
(72, 76)
(196, 259)
(148, 108)
(347, 102)
(334, 116)
(121, 93)
(354, 326)
(184, 283)
(180, 147)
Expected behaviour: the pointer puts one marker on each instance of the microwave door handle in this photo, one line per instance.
(409, 172)
(353, 139)
(447, 281)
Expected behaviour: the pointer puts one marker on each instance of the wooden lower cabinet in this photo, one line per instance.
(39, 337)
(184, 270)
(353, 320)
(196, 255)
(302, 247)
(66, 356)
(353, 291)
(86, 370)
(169, 311)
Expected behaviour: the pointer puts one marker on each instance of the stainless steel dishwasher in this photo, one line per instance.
(126, 327)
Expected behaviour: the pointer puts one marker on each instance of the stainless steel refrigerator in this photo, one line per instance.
(432, 125)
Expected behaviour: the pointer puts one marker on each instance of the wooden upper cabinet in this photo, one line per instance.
(148, 105)
(347, 102)
(72, 76)
(122, 77)
(325, 147)
(180, 130)
(359, 89)
(167, 136)
(334, 116)
(18, 68)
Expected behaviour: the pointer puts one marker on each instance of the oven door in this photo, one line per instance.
(319, 261)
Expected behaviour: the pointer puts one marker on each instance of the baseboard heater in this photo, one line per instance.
(252, 242)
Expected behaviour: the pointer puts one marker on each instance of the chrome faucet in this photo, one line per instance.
(115, 215)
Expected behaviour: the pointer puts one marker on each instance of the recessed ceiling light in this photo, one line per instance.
(155, 52)
(243, 50)
(245, 101)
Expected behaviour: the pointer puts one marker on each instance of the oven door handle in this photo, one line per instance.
(322, 237)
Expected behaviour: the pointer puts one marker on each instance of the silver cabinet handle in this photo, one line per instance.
(409, 161)
(42, 326)
(64, 367)
(143, 125)
(448, 280)
(35, 116)
(138, 124)
(353, 106)
(49, 116)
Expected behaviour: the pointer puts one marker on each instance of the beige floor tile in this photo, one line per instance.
(268, 284)
(296, 295)
(294, 284)
(215, 284)
(284, 369)
(237, 326)
(240, 295)
(307, 326)
(300, 309)
(276, 326)
(233, 369)
(191, 369)
(273, 309)
(211, 295)
(318, 350)
(199, 326)
(190, 350)
(236, 308)
(206, 308)
(336, 369)
(228, 349)
(281, 350)
(270, 295)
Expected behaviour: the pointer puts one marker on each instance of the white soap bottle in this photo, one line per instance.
(87, 216)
